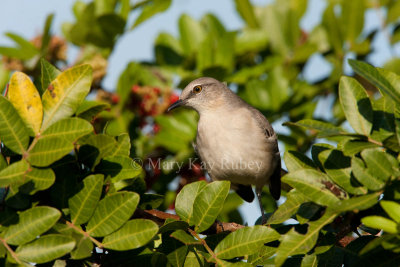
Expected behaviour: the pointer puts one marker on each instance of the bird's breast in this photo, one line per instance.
(234, 148)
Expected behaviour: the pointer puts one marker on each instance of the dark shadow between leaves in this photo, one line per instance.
(383, 120)
(166, 55)
(365, 108)
(310, 211)
(109, 168)
(88, 154)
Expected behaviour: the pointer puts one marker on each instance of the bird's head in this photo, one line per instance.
(201, 94)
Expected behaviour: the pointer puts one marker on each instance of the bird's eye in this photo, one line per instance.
(197, 89)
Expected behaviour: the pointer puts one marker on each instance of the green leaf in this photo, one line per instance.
(208, 204)
(13, 173)
(295, 160)
(392, 209)
(41, 179)
(112, 212)
(215, 55)
(248, 41)
(24, 44)
(293, 243)
(49, 149)
(123, 147)
(177, 131)
(150, 9)
(48, 73)
(184, 237)
(194, 260)
(84, 245)
(191, 33)
(246, 11)
(245, 241)
(375, 77)
(172, 225)
(285, 211)
(83, 203)
(316, 149)
(378, 222)
(119, 168)
(331, 23)
(24, 51)
(150, 201)
(184, 202)
(31, 223)
(310, 261)
(23, 95)
(3, 163)
(381, 164)
(168, 50)
(325, 129)
(69, 129)
(134, 234)
(393, 12)
(352, 147)
(46, 36)
(313, 185)
(364, 175)
(46, 248)
(95, 147)
(357, 203)
(13, 132)
(89, 109)
(356, 105)
(352, 18)
(65, 94)
(177, 257)
(83, 248)
(262, 256)
(338, 167)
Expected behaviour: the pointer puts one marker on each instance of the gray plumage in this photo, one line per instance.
(234, 140)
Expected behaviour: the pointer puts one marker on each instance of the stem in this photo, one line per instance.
(374, 142)
(35, 140)
(12, 253)
(73, 226)
(193, 233)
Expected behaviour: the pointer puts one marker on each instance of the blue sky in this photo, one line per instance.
(26, 17)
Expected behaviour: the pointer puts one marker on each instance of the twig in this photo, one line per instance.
(159, 217)
(194, 234)
(374, 142)
(71, 225)
(12, 253)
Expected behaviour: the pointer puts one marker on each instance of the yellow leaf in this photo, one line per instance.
(65, 94)
(24, 96)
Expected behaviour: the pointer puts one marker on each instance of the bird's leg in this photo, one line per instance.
(258, 192)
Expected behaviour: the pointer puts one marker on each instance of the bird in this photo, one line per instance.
(234, 140)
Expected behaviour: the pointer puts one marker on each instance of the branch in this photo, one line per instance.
(159, 217)
(73, 226)
(204, 243)
(12, 253)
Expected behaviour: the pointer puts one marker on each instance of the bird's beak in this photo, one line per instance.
(175, 105)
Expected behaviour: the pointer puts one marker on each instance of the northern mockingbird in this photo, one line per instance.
(234, 140)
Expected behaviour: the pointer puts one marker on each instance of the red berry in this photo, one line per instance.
(156, 128)
(156, 90)
(115, 99)
(153, 111)
(173, 98)
(197, 169)
(135, 88)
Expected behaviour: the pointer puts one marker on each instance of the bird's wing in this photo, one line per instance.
(275, 179)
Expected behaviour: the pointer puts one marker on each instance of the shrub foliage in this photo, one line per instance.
(86, 175)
